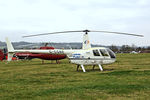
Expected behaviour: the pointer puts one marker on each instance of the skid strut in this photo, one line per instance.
(78, 67)
(83, 68)
(100, 67)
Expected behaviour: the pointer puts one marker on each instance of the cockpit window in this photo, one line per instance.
(104, 52)
(96, 53)
(112, 55)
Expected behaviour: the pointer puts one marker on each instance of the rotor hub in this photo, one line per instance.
(86, 31)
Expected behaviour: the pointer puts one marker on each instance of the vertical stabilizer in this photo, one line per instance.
(86, 43)
(10, 49)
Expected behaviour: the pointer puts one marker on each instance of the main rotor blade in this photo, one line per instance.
(86, 31)
(122, 33)
(52, 33)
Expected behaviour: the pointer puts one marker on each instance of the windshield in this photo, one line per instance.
(111, 53)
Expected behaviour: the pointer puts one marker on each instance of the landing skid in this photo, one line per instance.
(100, 67)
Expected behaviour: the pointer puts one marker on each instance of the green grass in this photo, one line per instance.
(126, 79)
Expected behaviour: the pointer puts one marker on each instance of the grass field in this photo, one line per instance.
(126, 79)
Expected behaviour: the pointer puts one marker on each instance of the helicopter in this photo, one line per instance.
(29, 56)
(1, 55)
(42, 56)
(81, 57)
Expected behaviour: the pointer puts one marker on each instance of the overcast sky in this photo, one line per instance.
(25, 17)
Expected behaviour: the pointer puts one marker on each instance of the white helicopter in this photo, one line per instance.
(85, 56)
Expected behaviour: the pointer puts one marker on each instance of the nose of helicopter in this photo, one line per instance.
(111, 53)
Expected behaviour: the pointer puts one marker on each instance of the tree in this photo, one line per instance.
(126, 48)
(114, 48)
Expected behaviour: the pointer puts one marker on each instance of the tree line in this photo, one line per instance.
(128, 49)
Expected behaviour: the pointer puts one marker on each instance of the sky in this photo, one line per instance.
(25, 17)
